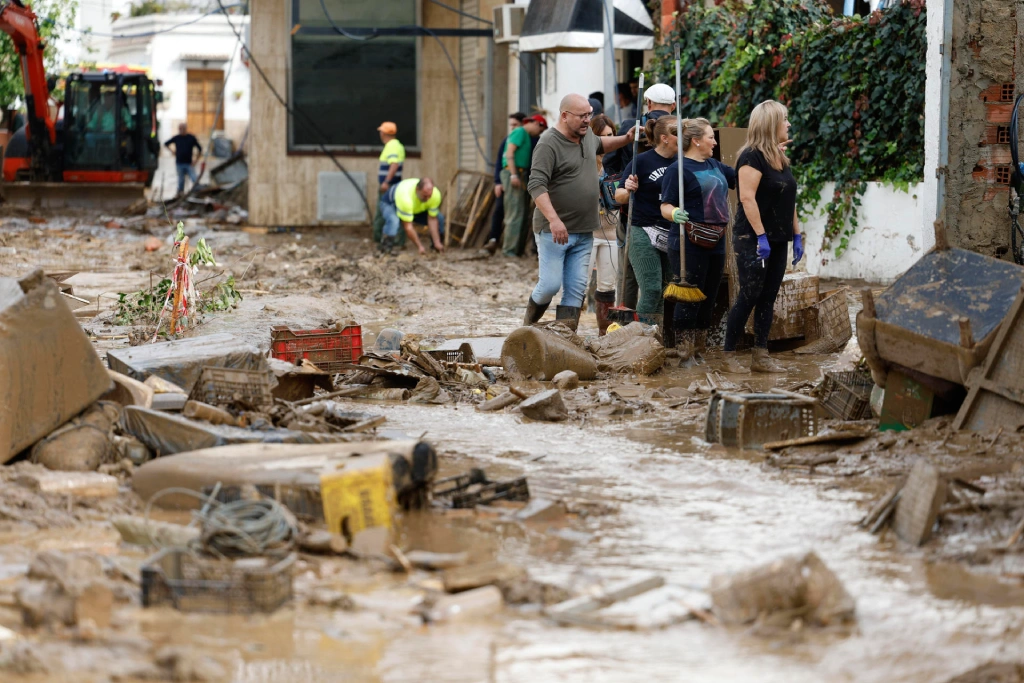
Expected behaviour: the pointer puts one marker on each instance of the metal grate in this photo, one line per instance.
(1003, 175)
(338, 199)
(1003, 135)
(1006, 91)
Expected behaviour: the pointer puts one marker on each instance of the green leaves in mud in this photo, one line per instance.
(142, 307)
(854, 87)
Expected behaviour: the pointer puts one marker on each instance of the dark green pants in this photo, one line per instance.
(652, 269)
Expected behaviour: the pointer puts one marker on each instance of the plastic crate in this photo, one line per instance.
(847, 395)
(328, 349)
(828, 323)
(464, 354)
(226, 386)
(750, 420)
(192, 583)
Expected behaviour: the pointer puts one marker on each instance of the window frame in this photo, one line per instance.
(355, 150)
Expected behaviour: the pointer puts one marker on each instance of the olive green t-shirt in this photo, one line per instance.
(567, 172)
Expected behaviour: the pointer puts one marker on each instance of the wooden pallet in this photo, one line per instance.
(467, 212)
(995, 399)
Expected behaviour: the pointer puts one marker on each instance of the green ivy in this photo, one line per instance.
(855, 89)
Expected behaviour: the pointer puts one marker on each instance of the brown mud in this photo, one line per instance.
(644, 493)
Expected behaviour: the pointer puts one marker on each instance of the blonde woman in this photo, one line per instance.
(765, 224)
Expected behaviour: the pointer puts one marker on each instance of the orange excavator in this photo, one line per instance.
(103, 153)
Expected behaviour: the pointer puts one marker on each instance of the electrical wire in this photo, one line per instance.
(148, 34)
(295, 111)
(451, 63)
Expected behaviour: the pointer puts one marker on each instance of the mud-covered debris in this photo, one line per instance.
(321, 542)
(65, 589)
(566, 380)
(920, 500)
(476, 603)
(332, 599)
(499, 402)
(128, 392)
(81, 445)
(546, 406)
(789, 588)
(590, 603)
(458, 579)
(540, 353)
(185, 664)
(633, 348)
(424, 559)
(148, 533)
(992, 672)
(78, 484)
(540, 510)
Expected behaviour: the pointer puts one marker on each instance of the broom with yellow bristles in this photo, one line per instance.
(679, 290)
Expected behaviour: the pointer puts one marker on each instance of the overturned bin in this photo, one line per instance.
(750, 420)
(49, 372)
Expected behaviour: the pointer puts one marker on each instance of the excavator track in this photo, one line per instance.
(113, 197)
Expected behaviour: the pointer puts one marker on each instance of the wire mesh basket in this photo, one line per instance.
(189, 582)
(227, 386)
(847, 395)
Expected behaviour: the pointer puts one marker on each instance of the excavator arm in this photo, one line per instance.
(19, 22)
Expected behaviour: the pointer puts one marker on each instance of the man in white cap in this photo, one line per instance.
(660, 100)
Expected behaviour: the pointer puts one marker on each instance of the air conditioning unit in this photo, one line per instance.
(508, 22)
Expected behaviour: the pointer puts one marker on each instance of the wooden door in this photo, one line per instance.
(205, 91)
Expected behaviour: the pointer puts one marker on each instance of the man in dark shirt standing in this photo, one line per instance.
(184, 145)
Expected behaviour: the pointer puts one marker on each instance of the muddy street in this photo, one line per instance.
(644, 495)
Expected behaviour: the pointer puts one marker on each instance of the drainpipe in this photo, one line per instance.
(611, 105)
(848, 7)
(946, 50)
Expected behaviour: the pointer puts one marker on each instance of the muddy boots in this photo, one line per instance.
(700, 342)
(387, 245)
(605, 301)
(685, 344)
(731, 364)
(534, 311)
(760, 361)
(654, 319)
(570, 315)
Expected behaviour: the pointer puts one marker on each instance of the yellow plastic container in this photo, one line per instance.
(358, 495)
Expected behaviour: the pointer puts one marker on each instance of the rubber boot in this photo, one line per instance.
(760, 361)
(731, 364)
(570, 315)
(387, 244)
(685, 344)
(534, 311)
(700, 342)
(654, 319)
(604, 301)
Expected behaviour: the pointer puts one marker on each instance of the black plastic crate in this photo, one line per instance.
(464, 354)
(228, 386)
(182, 579)
(847, 395)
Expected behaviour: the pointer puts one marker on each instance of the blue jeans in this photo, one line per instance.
(563, 266)
(183, 170)
(392, 224)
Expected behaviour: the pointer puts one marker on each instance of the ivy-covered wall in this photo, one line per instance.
(855, 88)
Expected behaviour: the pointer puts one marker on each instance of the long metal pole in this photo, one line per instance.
(611, 107)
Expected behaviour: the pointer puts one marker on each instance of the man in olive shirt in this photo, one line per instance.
(564, 185)
(515, 168)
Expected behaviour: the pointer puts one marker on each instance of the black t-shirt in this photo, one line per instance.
(183, 146)
(706, 191)
(776, 198)
(614, 162)
(650, 166)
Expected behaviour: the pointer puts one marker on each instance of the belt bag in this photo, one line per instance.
(702, 234)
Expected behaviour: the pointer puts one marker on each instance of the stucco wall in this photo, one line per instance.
(890, 238)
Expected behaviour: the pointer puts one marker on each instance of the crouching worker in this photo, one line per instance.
(412, 202)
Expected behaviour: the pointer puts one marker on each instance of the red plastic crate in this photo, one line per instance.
(327, 349)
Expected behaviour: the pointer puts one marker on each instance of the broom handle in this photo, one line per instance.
(679, 151)
(629, 213)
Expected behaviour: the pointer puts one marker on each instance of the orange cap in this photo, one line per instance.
(388, 128)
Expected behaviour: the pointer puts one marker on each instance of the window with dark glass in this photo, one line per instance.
(348, 85)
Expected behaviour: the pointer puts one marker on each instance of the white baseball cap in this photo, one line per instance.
(659, 93)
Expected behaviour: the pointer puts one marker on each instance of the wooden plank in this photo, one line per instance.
(834, 437)
(469, 221)
(591, 603)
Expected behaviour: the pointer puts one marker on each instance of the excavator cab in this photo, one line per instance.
(110, 131)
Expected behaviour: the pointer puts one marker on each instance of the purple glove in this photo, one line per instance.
(763, 250)
(798, 248)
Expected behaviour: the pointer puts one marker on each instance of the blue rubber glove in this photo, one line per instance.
(798, 248)
(763, 250)
(680, 216)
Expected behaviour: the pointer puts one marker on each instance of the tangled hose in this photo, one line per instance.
(240, 528)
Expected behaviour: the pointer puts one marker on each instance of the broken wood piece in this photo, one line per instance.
(460, 579)
(424, 559)
(923, 495)
(499, 402)
(1015, 536)
(397, 553)
(197, 410)
(831, 437)
(591, 603)
(886, 512)
(349, 391)
(323, 542)
(143, 532)
(78, 484)
(366, 425)
(963, 483)
(519, 392)
(880, 506)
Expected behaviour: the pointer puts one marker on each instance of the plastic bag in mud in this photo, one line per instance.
(181, 361)
(632, 348)
(167, 433)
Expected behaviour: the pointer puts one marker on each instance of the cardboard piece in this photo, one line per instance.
(49, 371)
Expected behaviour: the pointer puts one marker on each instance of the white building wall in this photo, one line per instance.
(889, 239)
(163, 54)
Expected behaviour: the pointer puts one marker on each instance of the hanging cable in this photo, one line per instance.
(295, 111)
(50, 22)
(451, 63)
